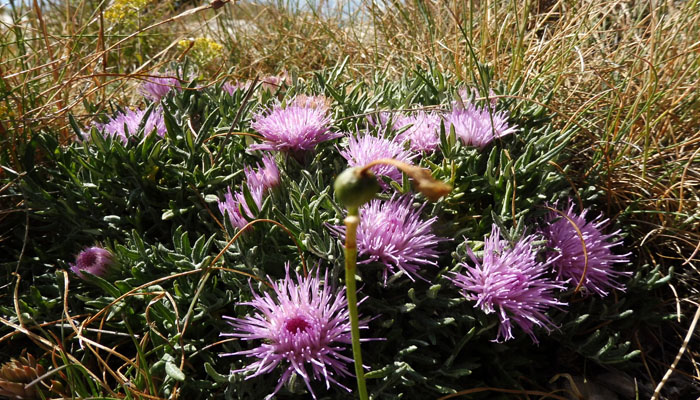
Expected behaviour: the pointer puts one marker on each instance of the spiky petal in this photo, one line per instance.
(274, 83)
(474, 127)
(94, 260)
(126, 124)
(231, 88)
(320, 101)
(423, 134)
(303, 326)
(394, 234)
(292, 129)
(155, 87)
(600, 277)
(363, 149)
(382, 119)
(266, 176)
(465, 96)
(233, 202)
(510, 282)
(258, 182)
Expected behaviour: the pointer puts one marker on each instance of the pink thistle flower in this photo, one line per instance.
(473, 125)
(155, 88)
(320, 102)
(382, 119)
(271, 83)
(304, 326)
(94, 260)
(233, 203)
(259, 182)
(267, 176)
(424, 132)
(393, 233)
(362, 150)
(292, 129)
(231, 88)
(510, 282)
(465, 98)
(274, 82)
(562, 236)
(125, 124)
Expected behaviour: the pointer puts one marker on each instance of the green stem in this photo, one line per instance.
(351, 223)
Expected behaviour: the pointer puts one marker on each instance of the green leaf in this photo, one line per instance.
(171, 124)
(174, 372)
(214, 374)
(102, 284)
(380, 373)
(189, 139)
(211, 120)
(74, 125)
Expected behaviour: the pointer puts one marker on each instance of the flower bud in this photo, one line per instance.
(94, 260)
(353, 187)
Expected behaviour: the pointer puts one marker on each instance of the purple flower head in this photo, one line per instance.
(393, 233)
(231, 88)
(510, 282)
(382, 119)
(362, 150)
(321, 102)
(126, 124)
(473, 125)
(258, 182)
(562, 236)
(94, 260)
(304, 326)
(155, 88)
(274, 82)
(266, 177)
(233, 203)
(292, 129)
(424, 132)
(465, 95)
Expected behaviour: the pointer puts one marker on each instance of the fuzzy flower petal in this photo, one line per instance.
(393, 233)
(600, 277)
(362, 150)
(266, 177)
(423, 133)
(512, 283)
(382, 119)
(233, 202)
(467, 94)
(304, 326)
(155, 88)
(273, 83)
(94, 260)
(126, 124)
(473, 125)
(231, 88)
(320, 102)
(258, 182)
(292, 129)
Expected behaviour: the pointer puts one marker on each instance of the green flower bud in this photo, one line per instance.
(354, 188)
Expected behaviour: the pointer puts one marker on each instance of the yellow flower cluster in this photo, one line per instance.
(125, 10)
(202, 50)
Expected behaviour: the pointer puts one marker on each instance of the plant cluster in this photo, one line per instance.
(155, 247)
